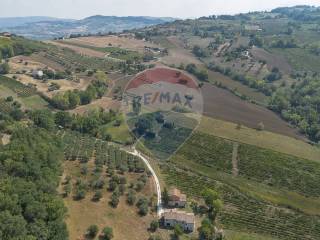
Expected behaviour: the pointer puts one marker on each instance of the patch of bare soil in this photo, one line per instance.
(80, 50)
(104, 103)
(41, 57)
(179, 54)
(24, 64)
(235, 169)
(42, 86)
(5, 139)
(271, 59)
(223, 105)
(114, 41)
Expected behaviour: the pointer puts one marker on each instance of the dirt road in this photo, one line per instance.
(155, 177)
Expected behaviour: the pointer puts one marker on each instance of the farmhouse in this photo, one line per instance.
(253, 28)
(5, 34)
(185, 220)
(37, 74)
(176, 198)
(154, 50)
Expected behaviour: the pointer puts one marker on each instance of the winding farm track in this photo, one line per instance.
(155, 177)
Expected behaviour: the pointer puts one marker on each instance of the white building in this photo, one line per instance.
(37, 74)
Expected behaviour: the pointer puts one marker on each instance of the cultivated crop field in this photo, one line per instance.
(232, 85)
(71, 60)
(116, 41)
(273, 59)
(263, 139)
(221, 104)
(109, 52)
(80, 50)
(300, 59)
(273, 194)
(20, 64)
(20, 89)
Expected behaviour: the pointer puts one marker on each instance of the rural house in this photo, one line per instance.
(176, 198)
(5, 34)
(37, 74)
(172, 217)
(253, 28)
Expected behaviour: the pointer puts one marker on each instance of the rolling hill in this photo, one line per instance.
(49, 28)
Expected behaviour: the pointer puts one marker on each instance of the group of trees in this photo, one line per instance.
(199, 52)
(71, 99)
(4, 68)
(10, 47)
(207, 230)
(13, 111)
(201, 74)
(284, 43)
(300, 106)
(274, 75)
(50, 74)
(29, 205)
(93, 230)
(256, 41)
(117, 185)
(261, 85)
(88, 123)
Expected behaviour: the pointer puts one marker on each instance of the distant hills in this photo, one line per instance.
(48, 28)
(18, 21)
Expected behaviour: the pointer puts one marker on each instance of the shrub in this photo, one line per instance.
(97, 196)
(107, 233)
(131, 197)
(154, 225)
(92, 231)
(114, 199)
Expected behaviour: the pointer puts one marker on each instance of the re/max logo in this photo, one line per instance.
(166, 98)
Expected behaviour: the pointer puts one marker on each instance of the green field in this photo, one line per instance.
(300, 59)
(34, 102)
(233, 235)
(263, 139)
(113, 52)
(119, 134)
(17, 87)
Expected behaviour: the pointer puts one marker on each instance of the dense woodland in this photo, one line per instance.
(30, 170)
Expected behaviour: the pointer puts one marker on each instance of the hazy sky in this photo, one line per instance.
(174, 8)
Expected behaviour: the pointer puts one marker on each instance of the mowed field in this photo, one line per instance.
(234, 85)
(24, 63)
(115, 41)
(80, 50)
(264, 139)
(221, 104)
(42, 87)
(105, 103)
(178, 54)
(272, 59)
